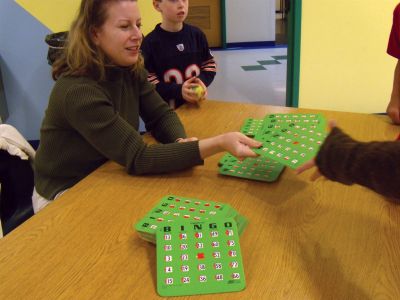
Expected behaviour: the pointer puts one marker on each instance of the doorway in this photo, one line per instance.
(293, 53)
(281, 22)
(210, 17)
(206, 15)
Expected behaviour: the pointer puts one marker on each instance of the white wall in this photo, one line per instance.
(250, 21)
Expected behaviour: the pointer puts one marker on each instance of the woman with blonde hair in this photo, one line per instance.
(101, 90)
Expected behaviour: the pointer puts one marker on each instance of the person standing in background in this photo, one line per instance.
(177, 55)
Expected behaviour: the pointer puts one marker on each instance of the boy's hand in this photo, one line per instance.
(188, 92)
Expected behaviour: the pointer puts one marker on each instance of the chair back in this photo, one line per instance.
(16, 178)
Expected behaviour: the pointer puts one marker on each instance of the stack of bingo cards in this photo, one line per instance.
(198, 250)
(173, 208)
(259, 168)
(291, 139)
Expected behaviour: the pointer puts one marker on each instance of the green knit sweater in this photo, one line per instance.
(88, 122)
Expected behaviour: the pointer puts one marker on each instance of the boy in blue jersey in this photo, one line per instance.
(177, 56)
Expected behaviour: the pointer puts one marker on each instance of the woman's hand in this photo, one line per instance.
(239, 145)
(235, 143)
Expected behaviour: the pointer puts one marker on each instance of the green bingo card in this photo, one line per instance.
(251, 126)
(291, 139)
(174, 208)
(258, 168)
(199, 258)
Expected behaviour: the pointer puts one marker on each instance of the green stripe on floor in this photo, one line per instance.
(253, 68)
(268, 62)
(280, 57)
(263, 63)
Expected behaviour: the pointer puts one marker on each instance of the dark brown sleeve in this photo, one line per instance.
(375, 165)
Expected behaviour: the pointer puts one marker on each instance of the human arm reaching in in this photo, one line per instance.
(235, 143)
(374, 165)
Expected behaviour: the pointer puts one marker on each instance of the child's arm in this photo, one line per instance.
(208, 67)
(167, 90)
(208, 71)
(375, 165)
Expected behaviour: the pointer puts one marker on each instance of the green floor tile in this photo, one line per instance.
(280, 57)
(268, 62)
(253, 68)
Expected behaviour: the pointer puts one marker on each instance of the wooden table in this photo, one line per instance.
(320, 240)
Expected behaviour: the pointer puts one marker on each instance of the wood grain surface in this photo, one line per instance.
(305, 240)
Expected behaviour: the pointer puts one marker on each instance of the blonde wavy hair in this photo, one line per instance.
(81, 57)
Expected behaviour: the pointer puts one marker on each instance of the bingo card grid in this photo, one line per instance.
(291, 139)
(199, 258)
(258, 168)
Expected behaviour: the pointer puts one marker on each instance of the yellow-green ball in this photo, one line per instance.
(198, 89)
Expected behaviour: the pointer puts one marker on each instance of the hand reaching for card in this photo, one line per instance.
(235, 143)
(311, 163)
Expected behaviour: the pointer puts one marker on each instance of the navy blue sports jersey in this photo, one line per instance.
(173, 57)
